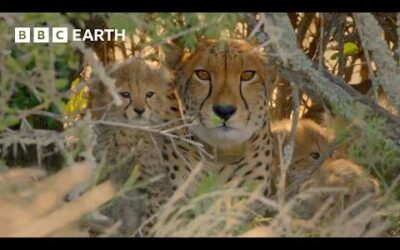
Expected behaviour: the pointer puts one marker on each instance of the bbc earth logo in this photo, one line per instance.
(63, 35)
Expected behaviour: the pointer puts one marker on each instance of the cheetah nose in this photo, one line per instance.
(224, 111)
(139, 111)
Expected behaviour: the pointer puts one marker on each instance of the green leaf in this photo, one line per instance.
(59, 49)
(11, 120)
(61, 84)
(216, 120)
(52, 124)
(13, 64)
(350, 49)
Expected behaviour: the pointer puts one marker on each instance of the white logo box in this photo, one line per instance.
(61, 35)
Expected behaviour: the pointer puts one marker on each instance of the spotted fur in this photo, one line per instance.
(241, 148)
(148, 98)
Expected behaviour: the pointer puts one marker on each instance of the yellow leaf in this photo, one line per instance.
(78, 101)
(350, 49)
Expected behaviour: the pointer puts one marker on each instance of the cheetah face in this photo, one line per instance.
(224, 87)
(142, 88)
(312, 141)
(137, 104)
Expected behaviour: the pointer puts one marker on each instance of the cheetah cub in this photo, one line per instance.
(147, 97)
(311, 142)
(309, 170)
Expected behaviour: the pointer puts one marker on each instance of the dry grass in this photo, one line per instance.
(32, 208)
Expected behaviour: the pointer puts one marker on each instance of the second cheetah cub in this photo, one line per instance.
(309, 170)
(311, 142)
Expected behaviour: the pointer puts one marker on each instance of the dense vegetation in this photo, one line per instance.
(344, 66)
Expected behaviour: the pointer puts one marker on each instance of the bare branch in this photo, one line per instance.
(387, 73)
(296, 67)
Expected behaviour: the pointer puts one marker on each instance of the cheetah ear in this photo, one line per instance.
(170, 55)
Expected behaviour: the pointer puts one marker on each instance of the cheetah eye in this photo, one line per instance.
(203, 75)
(315, 155)
(247, 75)
(149, 94)
(125, 94)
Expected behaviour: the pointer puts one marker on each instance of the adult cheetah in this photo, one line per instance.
(223, 86)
